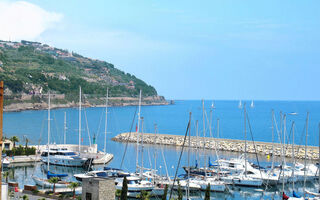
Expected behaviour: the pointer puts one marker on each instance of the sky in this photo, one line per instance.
(208, 49)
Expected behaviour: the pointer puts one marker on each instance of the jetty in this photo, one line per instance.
(222, 144)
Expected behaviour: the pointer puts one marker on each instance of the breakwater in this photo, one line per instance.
(222, 144)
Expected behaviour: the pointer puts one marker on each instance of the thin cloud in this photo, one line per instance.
(22, 20)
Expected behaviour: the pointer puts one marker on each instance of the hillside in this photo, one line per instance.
(30, 69)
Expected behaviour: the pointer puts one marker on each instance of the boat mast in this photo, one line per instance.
(189, 145)
(245, 140)
(283, 148)
(272, 121)
(106, 123)
(155, 151)
(48, 131)
(65, 128)
(204, 141)
(141, 167)
(137, 146)
(79, 119)
(293, 159)
(319, 160)
(305, 158)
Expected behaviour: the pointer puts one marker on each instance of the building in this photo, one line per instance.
(7, 145)
(98, 189)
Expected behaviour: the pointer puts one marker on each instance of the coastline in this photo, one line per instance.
(113, 102)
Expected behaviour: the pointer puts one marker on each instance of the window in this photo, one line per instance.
(88, 196)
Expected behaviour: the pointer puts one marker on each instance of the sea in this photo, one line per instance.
(225, 119)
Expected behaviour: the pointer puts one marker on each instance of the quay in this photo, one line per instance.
(222, 144)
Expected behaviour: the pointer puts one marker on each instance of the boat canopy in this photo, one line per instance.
(50, 175)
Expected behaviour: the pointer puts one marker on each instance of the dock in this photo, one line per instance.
(222, 144)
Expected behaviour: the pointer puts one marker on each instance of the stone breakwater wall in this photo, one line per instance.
(262, 148)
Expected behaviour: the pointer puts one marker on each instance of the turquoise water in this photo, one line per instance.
(170, 119)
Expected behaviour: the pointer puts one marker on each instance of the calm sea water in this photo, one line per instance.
(170, 119)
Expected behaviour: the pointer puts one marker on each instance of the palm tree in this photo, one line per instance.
(54, 180)
(14, 139)
(144, 195)
(73, 186)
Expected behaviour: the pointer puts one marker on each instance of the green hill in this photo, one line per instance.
(32, 68)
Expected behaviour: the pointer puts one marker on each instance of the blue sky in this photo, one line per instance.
(264, 50)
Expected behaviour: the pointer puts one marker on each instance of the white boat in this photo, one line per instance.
(215, 185)
(243, 180)
(63, 157)
(136, 185)
(45, 183)
(107, 172)
(5, 162)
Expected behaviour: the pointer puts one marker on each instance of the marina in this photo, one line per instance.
(230, 150)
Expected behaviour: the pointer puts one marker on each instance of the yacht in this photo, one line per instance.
(136, 185)
(63, 157)
(106, 172)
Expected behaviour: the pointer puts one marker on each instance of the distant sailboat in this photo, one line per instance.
(212, 105)
(252, 105)
(240, 104)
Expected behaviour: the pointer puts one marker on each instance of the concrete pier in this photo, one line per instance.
(221, 144)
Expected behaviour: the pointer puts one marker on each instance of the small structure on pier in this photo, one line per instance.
(98, 189)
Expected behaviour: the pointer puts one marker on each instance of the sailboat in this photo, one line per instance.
(61, 155)
(252, 105)
(243, 179)
(294, 194)
(45, 182)
(215, 184)
(240, 104)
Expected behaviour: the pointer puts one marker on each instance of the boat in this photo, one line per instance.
(63, 157)
(136, 185)
(247, 177)
(106, 172)
(45, 182)
(252, 104)
(5, 162)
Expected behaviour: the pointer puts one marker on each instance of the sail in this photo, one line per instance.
(50, 175)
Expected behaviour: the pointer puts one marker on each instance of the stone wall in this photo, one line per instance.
(98, 189)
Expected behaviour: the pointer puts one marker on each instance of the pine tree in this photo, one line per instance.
(124, 191)
(164, 196)
(207, 194)
(180, 195)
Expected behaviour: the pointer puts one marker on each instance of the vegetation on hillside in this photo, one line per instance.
(34, 68)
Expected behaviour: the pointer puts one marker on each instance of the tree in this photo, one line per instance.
(14, 139)
(27, 141)
(73, 186)
(180, 195)
(54, 180)
(207, 194)
(144, 195)
(6, 175)
(124, 191)
(164, 196)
